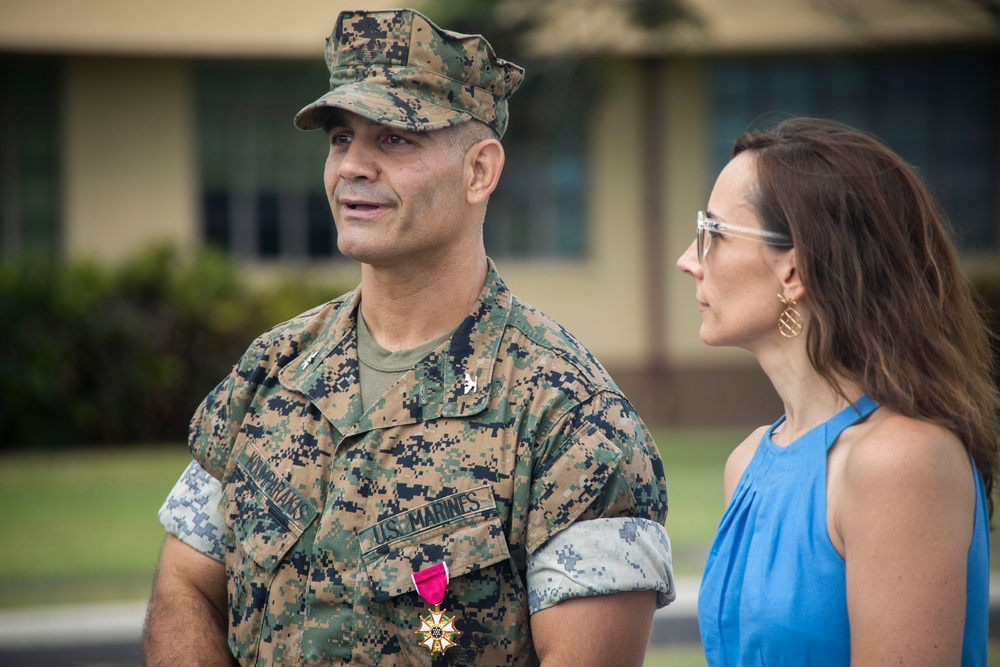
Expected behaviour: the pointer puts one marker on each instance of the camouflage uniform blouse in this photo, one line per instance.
(494, 443)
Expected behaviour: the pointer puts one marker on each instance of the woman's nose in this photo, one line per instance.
(688, 261)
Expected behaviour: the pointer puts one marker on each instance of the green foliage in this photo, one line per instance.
(987, 286)
(658, 13)
(96, 355)
(449, 13)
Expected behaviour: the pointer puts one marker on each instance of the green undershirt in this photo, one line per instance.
(379, 368)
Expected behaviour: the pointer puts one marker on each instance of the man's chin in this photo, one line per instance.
(360, 251)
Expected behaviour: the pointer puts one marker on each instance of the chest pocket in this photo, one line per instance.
(268, 516)
(485, 593)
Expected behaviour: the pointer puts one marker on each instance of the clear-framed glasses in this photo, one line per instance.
(707, 227)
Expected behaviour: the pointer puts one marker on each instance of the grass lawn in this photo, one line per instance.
(80, 525)
(693, 463)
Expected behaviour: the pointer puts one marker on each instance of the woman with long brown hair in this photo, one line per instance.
(857, 525)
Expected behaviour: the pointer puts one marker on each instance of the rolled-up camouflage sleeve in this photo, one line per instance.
(600, 557)
(191, 512)
(597, 509)
(598, 462)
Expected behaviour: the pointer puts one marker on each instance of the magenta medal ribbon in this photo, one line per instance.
(436, 629)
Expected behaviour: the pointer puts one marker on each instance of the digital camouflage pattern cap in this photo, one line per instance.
(397, 68)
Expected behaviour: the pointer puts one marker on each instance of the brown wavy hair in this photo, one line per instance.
(893, 312)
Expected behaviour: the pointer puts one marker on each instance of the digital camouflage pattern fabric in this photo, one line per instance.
(191, 513)
(580, 561)
(500, 439)
(397, 68)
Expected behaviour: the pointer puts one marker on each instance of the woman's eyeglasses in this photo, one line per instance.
(708, 226)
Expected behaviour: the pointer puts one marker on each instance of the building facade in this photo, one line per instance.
(124, 124)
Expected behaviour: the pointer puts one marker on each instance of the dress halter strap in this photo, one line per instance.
(849, 416)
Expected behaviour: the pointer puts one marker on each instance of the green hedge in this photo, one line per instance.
(987, 286)
(95, 355)
(92, 355)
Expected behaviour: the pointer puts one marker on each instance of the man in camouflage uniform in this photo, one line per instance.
(429, 416)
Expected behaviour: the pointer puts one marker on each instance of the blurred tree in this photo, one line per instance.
(503, 20)
(124, 354)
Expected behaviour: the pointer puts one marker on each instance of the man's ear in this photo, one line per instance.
(483, 164)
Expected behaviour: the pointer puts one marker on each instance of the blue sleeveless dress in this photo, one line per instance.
(774, 591)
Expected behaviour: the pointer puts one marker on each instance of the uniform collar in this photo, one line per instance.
(452, 381)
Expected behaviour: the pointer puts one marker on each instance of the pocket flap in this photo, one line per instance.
(462, 530)
(268, 515)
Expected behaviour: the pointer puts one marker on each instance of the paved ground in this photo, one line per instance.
(97, 635)
(90, 655)
(107, 635)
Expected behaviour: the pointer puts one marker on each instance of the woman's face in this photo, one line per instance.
(738, 280)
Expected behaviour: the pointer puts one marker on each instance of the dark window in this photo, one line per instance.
(940, 113)
(539, 208)
(29, 158)
(262, 179)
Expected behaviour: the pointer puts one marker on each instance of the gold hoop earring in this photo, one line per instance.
(790, 322)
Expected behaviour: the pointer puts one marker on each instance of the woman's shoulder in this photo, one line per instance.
(739, 459)
(893, 455)
(891, 441)
(899, 483)
(749, 444)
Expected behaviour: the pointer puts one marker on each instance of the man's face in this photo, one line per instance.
(397, 197)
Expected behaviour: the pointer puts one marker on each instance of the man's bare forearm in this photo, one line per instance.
(184, 632)
(595, 631)
(185, 620)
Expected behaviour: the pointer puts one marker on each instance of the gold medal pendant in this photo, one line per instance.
(437, 630)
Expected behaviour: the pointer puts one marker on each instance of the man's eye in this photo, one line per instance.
(396, 139)
(339, 138)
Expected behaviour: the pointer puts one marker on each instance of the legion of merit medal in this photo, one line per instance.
(436, 629)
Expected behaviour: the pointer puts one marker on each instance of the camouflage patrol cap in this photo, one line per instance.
(397, 68)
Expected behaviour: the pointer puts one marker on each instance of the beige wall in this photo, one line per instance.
(599, 297)
(130, 159)
(295, 28)
(689, 185)
(292, 28)
(131, 178)
(762, 26)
